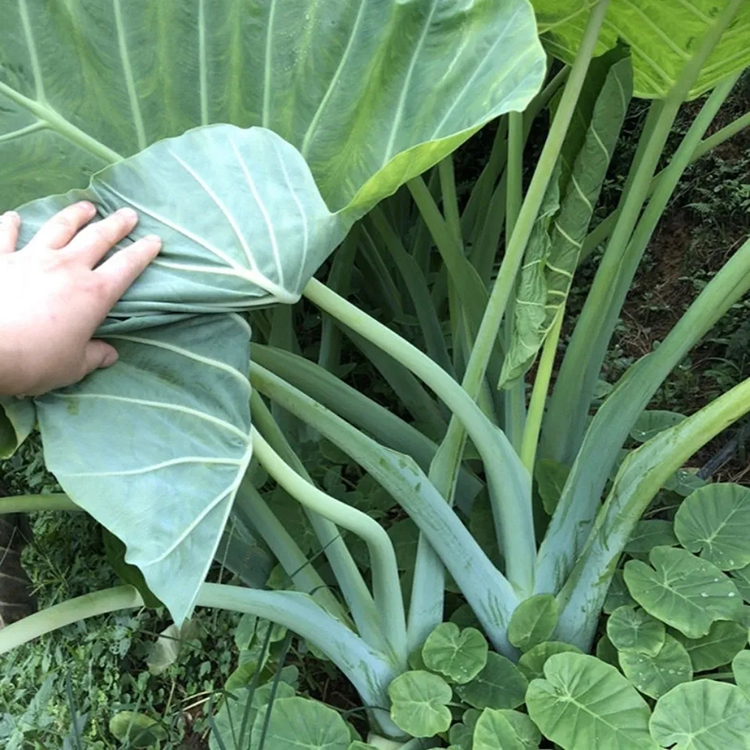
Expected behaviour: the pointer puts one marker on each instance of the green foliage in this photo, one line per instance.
(656, 674)
(500, 684)
(714, 521)
(419, 703)
(682, 590)
(533, 622)
(459, 655)
(633, 630)
(582, 702)
(702, 715)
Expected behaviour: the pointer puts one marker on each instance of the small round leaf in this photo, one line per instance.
(716, 648)
(585, 703)
(632, 629)
(651, 423)
(741, 669)
(532, 662)
(499, 685)
(418, 703)
(533, 621)
(509, 730)
(459, 655)
(300, 724)
(138, 729)
(682, 590)
(655, 675)
(617, 594)
(702, 715)
(715, 522)
(650, 534)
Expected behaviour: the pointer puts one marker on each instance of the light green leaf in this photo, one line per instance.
(17, 418)
(550, 479)
(716, 648)
(632, 629)
(243, 218)
(650, 534)
(240, 703)
(651, 422)
(741, 669)
(606, 652)
(702, 715)
(457, 654)
(532, 662)
(533, 621)
(617, 594)
(418, 703)
(661, 36)
(714, 522)
(741, 580)
(136, 729)
(461, 736)
(682, 590)
(585, 703)
(371, 94)
(655, 675)
(555, 244)
(508, 730)
(163, 652)
(300, 724)
(499, 685)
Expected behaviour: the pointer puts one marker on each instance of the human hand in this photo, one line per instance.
(53, 296)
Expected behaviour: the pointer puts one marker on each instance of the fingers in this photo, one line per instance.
(95, 241)
(97, 355)
(63, 226)
(125, 266)
(10, 223)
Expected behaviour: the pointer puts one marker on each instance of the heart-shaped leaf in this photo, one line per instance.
(702, 715)
(656, 674)
(585, 703)
(532, 662)
(632, 630)
(714, 522)
(533, 621)
(682, 590)
(650, 534)
(457, 654)
(717, 647)
(509, 730)
(299, 724)
(419, 703)
(652, 422)
(499, 685)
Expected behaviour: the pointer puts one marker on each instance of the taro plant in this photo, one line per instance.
(256, 138)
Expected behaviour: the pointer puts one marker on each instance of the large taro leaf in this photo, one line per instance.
(371, 93)
(155, 447)
(555, 244)
(661, 34)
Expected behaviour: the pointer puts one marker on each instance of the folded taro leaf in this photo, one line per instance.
(371, 94)
(555, 244)
(155, 447)
(661, 35)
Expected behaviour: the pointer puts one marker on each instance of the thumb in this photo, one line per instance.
(98, 354)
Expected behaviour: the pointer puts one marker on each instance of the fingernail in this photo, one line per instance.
(153, 238)
(128, 213)
(110, 359)
(88, 207)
